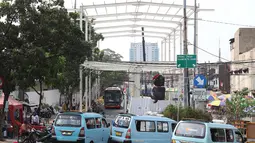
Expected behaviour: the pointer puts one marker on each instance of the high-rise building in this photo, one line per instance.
(136, 52)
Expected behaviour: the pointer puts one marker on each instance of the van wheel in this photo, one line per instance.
(109, 141)
(91, 142)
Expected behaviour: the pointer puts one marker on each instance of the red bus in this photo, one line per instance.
(113, 97)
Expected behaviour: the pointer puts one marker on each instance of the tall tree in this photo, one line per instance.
(9, 47)
(109, 78)
(68, 79)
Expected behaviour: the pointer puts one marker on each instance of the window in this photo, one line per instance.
(238, 137)
(98, 122)
(229, 135)
(162, 126)
(145, 126)
(122, 121)
(104, 123)
(68, 120)
(189, 129)
(90, 123)
(173, 126)
(218, 135)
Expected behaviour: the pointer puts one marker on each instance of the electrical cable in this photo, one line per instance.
(226, 23)
(232, 85)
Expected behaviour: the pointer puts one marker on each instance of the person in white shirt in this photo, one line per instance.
(35, 119)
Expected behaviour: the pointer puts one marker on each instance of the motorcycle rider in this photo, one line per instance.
(25, 129)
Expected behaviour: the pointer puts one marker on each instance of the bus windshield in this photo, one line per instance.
(113, 96)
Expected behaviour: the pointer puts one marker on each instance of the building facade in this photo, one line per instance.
(151, 51)
(242, 48)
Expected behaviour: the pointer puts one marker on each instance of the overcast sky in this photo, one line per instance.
(230, 11)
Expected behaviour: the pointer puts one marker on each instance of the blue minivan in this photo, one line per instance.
(128, 128)
(80, 127)
(205, 132)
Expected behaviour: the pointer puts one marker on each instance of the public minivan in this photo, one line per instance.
(80, 127)
(128, 128)
(205, 132)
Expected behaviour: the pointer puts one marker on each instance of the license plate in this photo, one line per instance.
(67, 133)
(118, 134)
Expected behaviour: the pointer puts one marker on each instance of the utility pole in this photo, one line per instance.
(144, 59)
(185, 51)
(75, 4)
(195, 44)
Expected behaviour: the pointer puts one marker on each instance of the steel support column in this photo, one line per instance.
(86, 93)
(165, 50)
(89, 32)
(161, 51)
(81, 11)
(89, 89)
(181, 39)
(169, 42)
(174, 46)
(86, 30)
(80, 97)
(98, 86)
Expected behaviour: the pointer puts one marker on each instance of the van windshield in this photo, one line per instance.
(68, 120)
(193, 130)
(122, 121)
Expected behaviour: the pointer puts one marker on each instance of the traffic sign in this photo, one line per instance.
(1, 82)
(186, 61)
(199, 94)
(200, 81)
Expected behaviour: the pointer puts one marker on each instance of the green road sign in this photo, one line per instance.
(186, 61)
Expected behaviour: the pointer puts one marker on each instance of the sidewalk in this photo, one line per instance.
(8, 141)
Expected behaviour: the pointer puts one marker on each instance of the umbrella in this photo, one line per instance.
(224, 97)
(212, 96)
(217, 103)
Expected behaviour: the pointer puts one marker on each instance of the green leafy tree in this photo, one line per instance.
(172, 112)
(79, 50)
(9, 47)
(109, 78)
(239, 106)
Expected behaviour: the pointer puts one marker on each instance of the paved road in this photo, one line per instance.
(111, 114)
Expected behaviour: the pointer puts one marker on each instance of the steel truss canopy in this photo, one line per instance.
(130, 66)
(152, 14)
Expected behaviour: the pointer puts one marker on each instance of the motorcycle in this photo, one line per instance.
(37, 136)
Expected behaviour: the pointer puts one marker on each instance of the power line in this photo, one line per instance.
(226, 23)
(231, 62)
(208, 52)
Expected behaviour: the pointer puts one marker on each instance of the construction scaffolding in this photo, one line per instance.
(165, 24)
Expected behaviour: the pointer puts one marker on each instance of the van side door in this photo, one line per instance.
(164, 133)
(106, 131)
(145, 131)
(92, 133)
(239, 137)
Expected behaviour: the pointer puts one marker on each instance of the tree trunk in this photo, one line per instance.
(41, 97)
(6, 90)
(70, 99)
